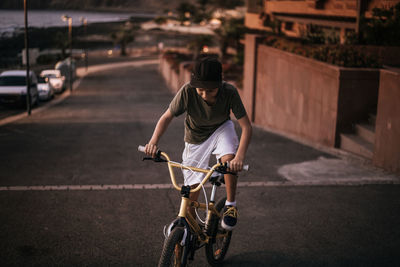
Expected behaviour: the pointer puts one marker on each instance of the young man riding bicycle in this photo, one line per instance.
(208, 102)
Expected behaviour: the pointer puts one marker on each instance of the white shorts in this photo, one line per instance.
(223, 141)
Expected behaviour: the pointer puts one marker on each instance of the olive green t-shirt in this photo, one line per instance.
(201, 119)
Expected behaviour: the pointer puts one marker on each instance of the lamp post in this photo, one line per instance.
(188, 22)
(84, 22)
(28, 80)
(69, 19)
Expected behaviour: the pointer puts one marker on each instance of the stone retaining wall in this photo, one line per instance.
(305, 97)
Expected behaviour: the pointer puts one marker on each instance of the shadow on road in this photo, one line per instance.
(274, 258)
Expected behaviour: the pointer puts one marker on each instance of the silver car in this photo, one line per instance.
(46, 91)
(56, 80)
(13, 87)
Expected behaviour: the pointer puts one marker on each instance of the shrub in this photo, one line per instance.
(47, 59)
(383, 28)
(175, 58)
(160, 20)
(340, 55)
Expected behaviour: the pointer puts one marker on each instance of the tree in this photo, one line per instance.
(227, 4)
(160, 20)
(204, 11)
(229, 34)
(61, 41)
(185, 11)
(198, 42)
(123, 37)
(383, 28)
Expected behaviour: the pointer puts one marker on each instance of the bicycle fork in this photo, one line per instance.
(186, 221)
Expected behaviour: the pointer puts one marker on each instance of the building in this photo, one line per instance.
(354, 109)
(293, 18)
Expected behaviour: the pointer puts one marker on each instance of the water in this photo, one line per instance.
(11, 20)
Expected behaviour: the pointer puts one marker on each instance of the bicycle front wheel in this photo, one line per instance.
(172, 253)
(218, 245)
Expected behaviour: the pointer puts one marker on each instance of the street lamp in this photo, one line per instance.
(187, 22)
(69, 19)
(28, 80)
(84, 22)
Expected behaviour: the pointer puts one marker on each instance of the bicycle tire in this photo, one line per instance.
(171, 248)
(217, 248)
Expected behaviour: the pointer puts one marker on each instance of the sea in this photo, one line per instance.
(13, 20)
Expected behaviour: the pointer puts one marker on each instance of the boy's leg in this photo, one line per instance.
(230, 180)
(229, 219)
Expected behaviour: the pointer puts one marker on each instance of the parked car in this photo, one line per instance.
(46, 91)
(56, 80)
(67, 68)
(13, 87)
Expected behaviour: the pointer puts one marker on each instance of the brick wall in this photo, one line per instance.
(302, 96)
(296, 95)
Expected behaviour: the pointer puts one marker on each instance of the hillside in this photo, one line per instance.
(155, 6)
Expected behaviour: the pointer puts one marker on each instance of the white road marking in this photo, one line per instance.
(170, 186)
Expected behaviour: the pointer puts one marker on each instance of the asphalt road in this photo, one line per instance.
(91, 139)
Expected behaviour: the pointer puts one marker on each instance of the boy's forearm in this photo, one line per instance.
(158, 132)
(244, 142)
(245, 137)
(160, 128)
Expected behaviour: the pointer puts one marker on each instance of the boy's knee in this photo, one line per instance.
(227, 157)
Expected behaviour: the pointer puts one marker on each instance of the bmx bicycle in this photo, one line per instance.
(185, 234)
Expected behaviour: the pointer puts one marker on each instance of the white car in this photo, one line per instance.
(56, 80)
(46, 92)
(13, 87)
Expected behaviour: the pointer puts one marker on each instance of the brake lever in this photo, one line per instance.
(223, 169)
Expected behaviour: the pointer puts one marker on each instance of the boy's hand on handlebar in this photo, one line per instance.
(236, 164)
(151, 150)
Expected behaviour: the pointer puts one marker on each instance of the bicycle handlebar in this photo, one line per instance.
(141, 149)
(179, 165)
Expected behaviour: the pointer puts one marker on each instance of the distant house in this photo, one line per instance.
(292, 17)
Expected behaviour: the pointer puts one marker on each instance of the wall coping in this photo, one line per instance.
(394, 71)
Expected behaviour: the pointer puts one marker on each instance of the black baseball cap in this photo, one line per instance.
(207, 73)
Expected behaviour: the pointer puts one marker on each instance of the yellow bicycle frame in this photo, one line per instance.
(186, 202)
